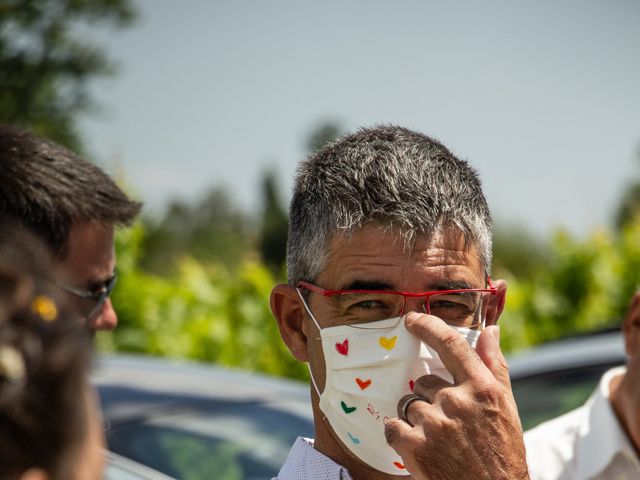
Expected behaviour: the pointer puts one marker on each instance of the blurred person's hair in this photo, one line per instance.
(387, 176)
(48, 189)
(45, 356)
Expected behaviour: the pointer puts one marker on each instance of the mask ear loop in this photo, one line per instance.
(306, 307)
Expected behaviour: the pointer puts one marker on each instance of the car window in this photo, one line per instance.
(234, 441)
(120, 468)
(545, 396)
(114, 472)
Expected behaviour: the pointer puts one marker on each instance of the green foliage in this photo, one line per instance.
(193, 285)
(628, 208)
(45, 61)
(212, 230)
(325, 132)
(275, 222)
(585, 285)
(517, 252)
(208, 312)
(203, 311)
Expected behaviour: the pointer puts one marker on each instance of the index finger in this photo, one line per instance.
(455, 352)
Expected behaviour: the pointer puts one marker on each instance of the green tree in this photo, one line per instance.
(201, 311)
(46, 61)
(585, 286)
(629, 206)
(325, 132)
(517, 252)
(213, 229)
(275, 222)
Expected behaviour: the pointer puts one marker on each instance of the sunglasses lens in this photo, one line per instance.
(104, 295)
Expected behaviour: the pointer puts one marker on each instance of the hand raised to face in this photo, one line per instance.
(468, 429)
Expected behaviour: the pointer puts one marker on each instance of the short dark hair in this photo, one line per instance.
(45, 356)
(48, 189)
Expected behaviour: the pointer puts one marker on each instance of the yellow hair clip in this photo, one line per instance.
(45, 308)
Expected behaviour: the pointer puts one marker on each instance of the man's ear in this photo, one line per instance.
(495, 303)
(288, 310)
(631, 325)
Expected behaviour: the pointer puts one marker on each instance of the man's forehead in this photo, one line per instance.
(91, 253)
(383, 240)
(373, 251)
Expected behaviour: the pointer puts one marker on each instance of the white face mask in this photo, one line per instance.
(368, 369)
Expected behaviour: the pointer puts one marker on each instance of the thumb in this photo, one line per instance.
(488, 349)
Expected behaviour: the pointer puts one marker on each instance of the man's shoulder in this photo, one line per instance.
(557, 428)
(550, 446)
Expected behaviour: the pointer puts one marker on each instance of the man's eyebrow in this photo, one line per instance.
(450, 285)
(382, 285)
(368, 285)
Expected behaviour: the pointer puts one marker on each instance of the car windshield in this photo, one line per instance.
(191, 438)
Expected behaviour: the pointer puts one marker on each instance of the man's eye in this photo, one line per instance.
(365, 302)
(449, 305)
(96, 292)
(458, 304)
(370, 304)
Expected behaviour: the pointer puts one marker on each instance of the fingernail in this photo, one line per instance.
(410, 318)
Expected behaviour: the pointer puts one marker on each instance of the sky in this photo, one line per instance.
(543, 98)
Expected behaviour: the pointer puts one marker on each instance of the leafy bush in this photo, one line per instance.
(209, 313)
(203, 312)
(585, 285)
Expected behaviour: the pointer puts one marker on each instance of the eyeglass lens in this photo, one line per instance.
(101, 296)
(457, 309)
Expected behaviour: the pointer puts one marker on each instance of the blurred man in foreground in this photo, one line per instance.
(388, 255)
(601, 439)
(72, 206)
(50, 424)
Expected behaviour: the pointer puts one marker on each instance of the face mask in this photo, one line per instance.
(368, 370)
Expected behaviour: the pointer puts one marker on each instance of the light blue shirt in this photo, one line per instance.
(306, 463)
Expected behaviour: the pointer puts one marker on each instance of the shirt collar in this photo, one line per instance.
(305, 462)
(600, 436)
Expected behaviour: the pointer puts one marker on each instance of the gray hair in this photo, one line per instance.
(386, 175)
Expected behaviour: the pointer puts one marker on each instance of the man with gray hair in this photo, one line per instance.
(390, 302)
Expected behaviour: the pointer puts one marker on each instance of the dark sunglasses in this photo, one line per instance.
(99, 295)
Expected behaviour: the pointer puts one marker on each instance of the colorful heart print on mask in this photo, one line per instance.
(368, 370)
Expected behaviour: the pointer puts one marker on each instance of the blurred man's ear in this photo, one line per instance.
(288, 310)
(631, 326)
(495, 303)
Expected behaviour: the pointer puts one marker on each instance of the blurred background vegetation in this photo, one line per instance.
(195, 282)
(212, 305)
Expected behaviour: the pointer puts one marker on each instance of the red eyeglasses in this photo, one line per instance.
(460, 308)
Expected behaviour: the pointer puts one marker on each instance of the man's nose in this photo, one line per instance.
(415, 304)
(106, 318)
